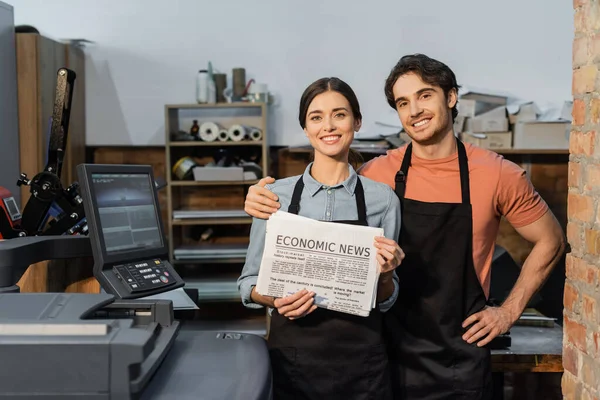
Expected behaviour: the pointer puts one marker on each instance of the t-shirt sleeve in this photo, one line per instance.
(517, 199)
(381, 169)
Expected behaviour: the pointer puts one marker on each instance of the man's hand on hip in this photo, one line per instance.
(487, 324)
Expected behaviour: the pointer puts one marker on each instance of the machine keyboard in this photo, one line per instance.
(141, 276)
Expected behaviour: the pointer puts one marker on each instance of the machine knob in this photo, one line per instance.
(73, 191)
(23, 180)
(73, 188)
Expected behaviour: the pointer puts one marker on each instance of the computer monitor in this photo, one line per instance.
(126, 230)
(127, 212)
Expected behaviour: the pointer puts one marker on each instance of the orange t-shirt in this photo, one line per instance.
(498, 188)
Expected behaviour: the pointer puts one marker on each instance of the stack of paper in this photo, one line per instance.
(335, 261)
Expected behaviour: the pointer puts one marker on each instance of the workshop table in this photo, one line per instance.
(533, 349)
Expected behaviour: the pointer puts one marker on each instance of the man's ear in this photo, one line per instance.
(452, 98)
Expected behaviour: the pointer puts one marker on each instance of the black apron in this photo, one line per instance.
(439, 289)
(329, 355)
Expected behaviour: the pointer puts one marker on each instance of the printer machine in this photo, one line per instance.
(116, 345)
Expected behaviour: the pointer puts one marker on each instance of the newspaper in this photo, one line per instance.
(334, 260)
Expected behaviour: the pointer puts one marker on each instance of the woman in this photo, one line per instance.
(317, 353)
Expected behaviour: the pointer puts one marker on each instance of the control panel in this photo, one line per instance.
(141, 276)
(126, 231)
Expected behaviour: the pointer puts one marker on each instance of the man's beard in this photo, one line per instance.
(437, 135)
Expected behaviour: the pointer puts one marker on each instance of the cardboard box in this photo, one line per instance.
(472, 108)
(561, 113)
(489, 140)
(542, 135)
(218, 174)
(522, 112)
(484, 97)
(459, 123)
(491, 121)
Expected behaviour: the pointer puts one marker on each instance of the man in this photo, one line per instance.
(453, 196)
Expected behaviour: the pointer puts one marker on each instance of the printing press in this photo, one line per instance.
(117, 344)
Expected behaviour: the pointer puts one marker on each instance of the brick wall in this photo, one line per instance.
(581, 346)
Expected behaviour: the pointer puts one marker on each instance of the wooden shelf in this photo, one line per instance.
(215, 144)
(212, 183)
(206, 195)
(239, 104)
(212, 221)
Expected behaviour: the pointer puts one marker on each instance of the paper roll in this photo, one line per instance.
(223, 135)
(237, 132)
(255, 134)
(243, 132)
(183, 168)
(209, 131)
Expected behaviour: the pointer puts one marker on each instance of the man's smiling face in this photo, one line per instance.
(424, 109)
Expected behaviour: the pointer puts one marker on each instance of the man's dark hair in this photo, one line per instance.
(431, 71)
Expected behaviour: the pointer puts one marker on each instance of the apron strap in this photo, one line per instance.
(359, 193)
(361, 206)
(402, 173)
(294, 206)
(463, 166)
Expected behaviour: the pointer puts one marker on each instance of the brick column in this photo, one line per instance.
(581, 346)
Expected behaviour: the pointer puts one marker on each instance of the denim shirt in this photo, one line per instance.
(325, 203)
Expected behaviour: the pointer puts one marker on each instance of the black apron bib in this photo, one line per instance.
(329, 355)
(439, 289)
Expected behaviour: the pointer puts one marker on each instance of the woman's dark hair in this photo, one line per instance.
(431, 71)
(336, 85)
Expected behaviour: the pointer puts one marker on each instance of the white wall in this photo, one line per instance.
(147, 52)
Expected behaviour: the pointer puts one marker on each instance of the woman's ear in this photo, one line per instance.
(357, 125)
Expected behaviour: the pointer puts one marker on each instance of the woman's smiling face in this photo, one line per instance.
(330, 124)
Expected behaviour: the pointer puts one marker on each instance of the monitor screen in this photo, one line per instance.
(128, 216)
